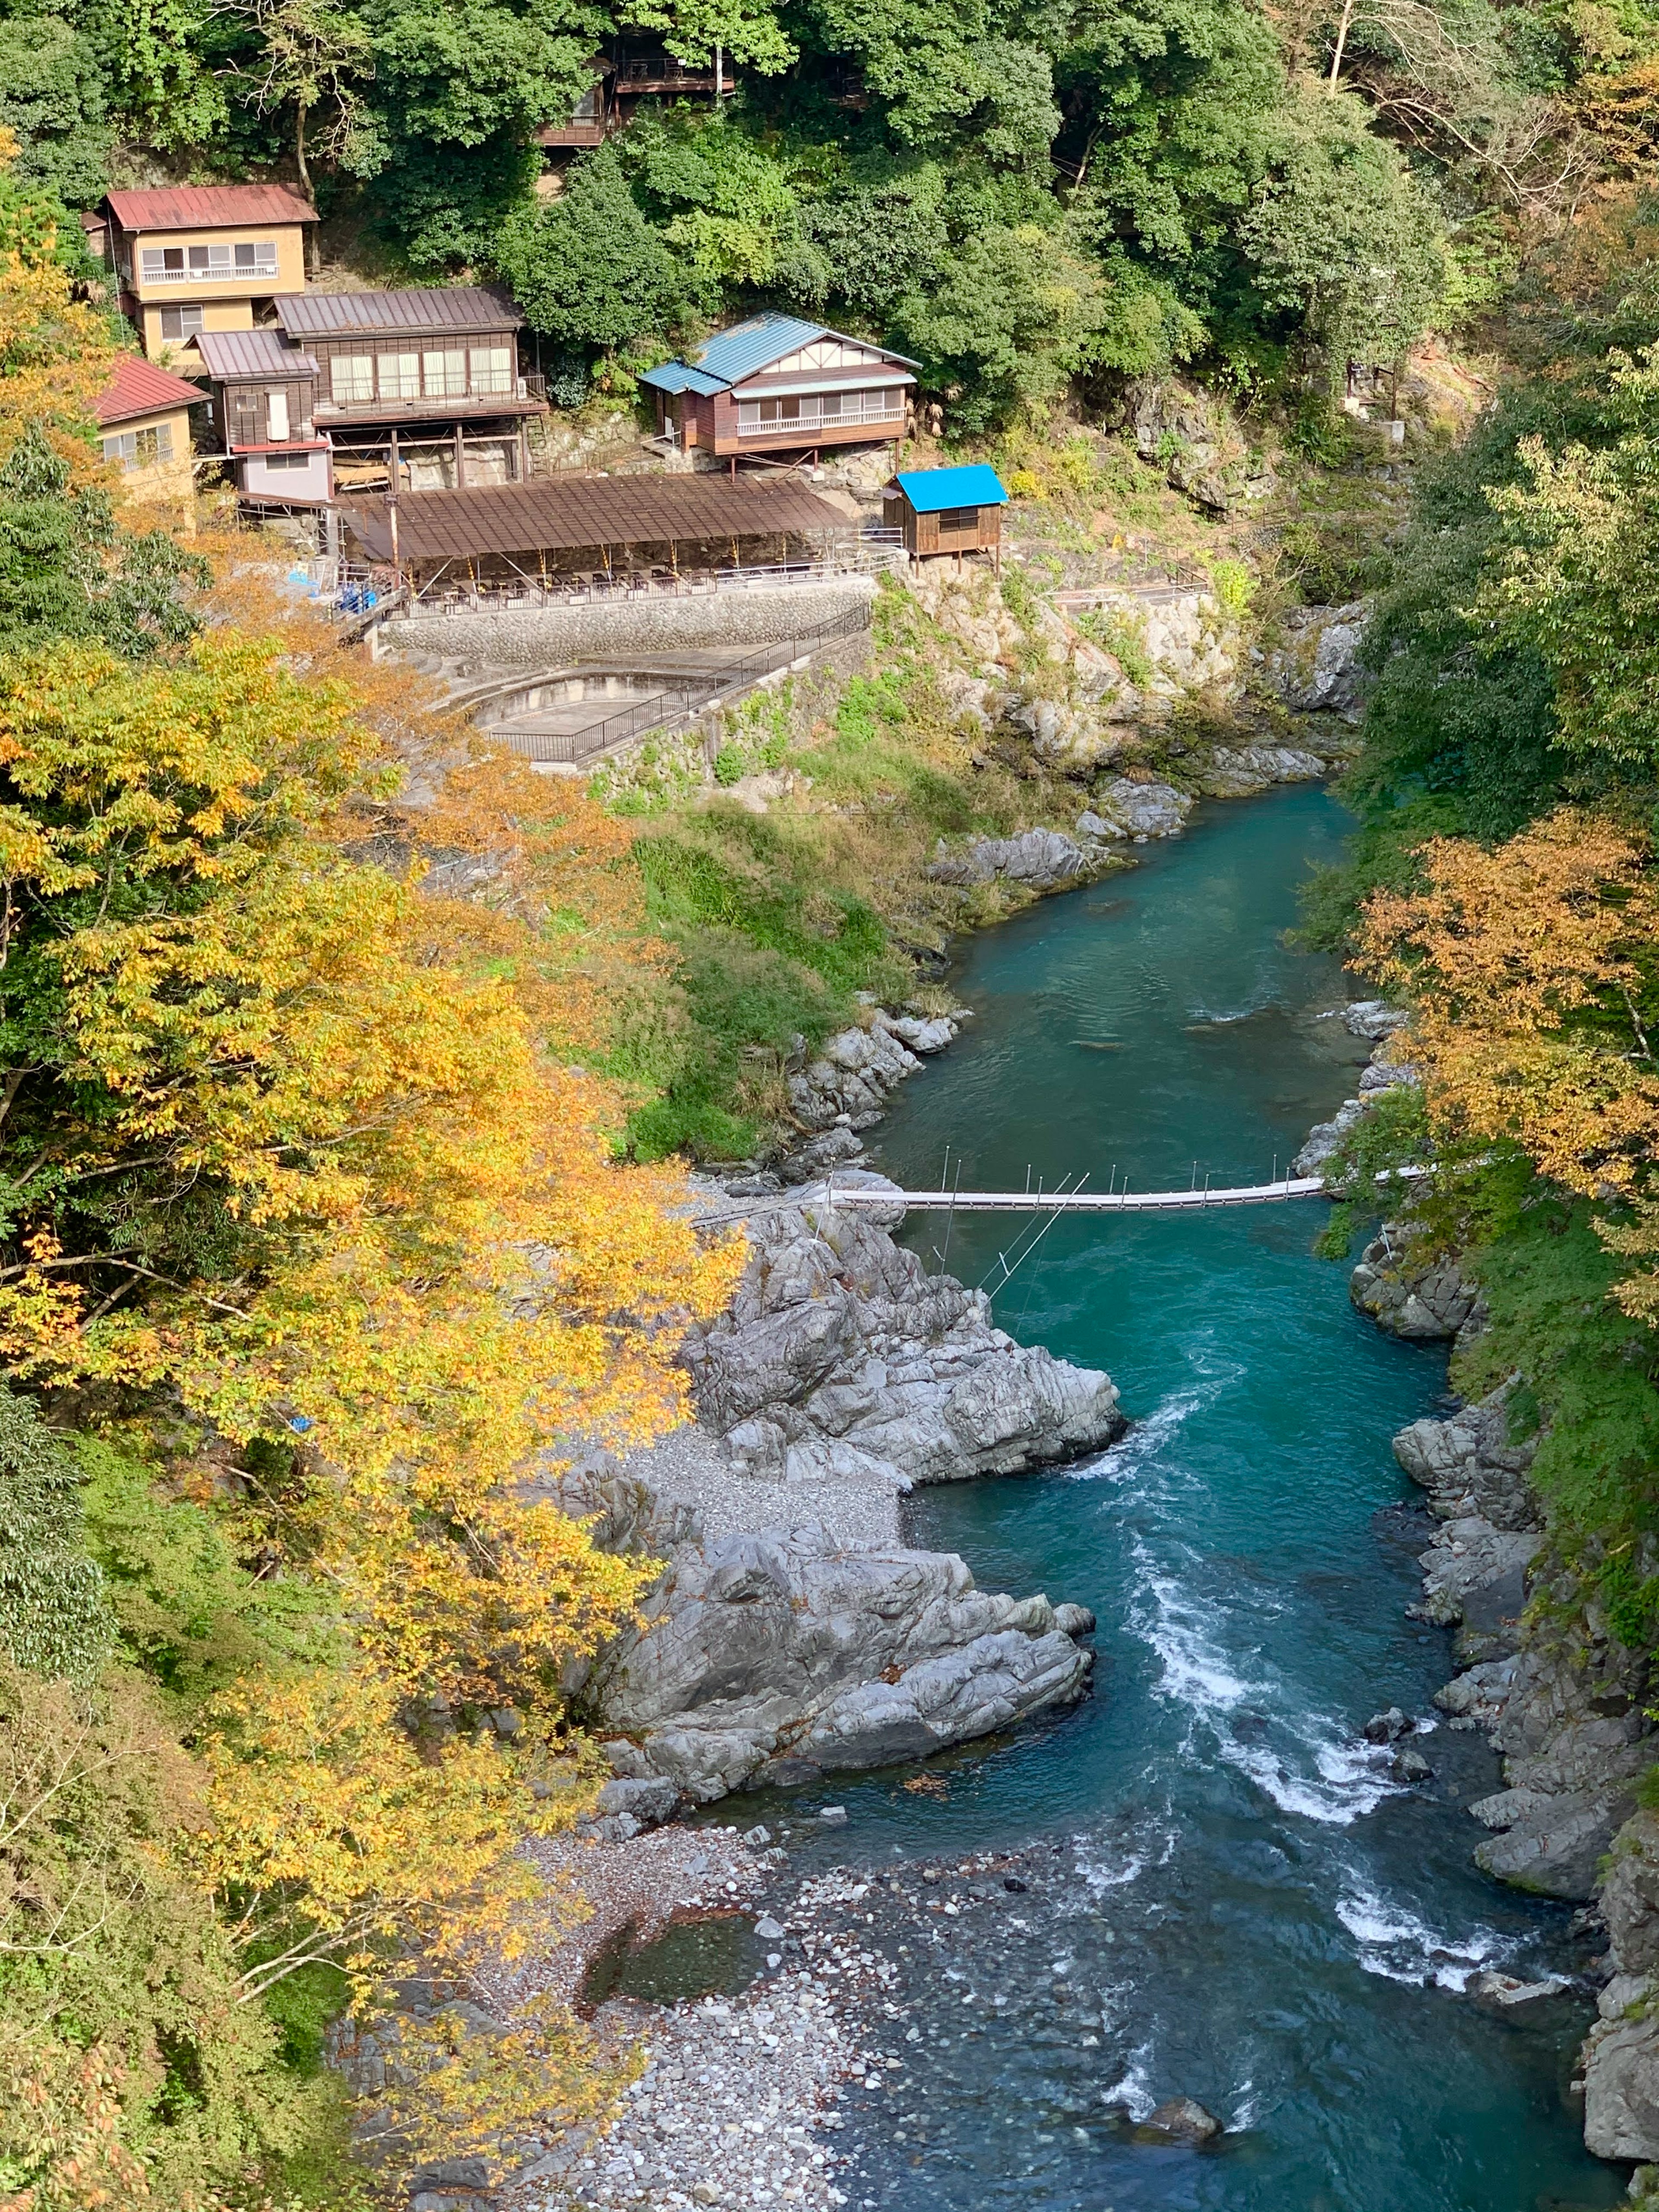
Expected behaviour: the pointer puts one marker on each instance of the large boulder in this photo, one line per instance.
(1124, 808)
(840, 1355)
(774, 1656)
(1037, 861)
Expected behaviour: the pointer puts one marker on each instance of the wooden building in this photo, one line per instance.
(946, 510)
(195, 258)
(264, 400)
(572, 531)
(775, 388)
(143, 415)
(423, 386)
(633, 70)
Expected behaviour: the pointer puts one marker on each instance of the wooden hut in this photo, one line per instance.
(946, 510)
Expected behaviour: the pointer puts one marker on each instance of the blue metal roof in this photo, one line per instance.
(675, 376)
(733, 355)
(930, 490)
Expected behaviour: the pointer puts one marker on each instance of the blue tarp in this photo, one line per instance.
(930, 490)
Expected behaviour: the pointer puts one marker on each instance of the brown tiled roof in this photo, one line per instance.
(251, 353)
(440, 308)
(209, 207)
(574, 512)
(138, 387)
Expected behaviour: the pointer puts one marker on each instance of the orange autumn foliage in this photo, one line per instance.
(1531, 970)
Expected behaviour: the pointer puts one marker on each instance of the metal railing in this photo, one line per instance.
(519, 595)
(213, 273)
(568, 748)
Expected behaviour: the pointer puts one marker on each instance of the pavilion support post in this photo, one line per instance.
(460, 459)
(394, 470)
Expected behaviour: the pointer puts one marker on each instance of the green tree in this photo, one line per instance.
(1342, 235)
(586, 268)
(67, 570)
(55, 1617)
(53, 101)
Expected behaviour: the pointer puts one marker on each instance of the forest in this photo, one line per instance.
(1022, 198)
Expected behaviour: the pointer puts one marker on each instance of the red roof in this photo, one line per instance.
(209, 207)
(138, 387)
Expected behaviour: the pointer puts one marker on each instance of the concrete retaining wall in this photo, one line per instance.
(549, 638)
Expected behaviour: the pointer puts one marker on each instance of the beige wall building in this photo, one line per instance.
(143, 416)
(193, 257)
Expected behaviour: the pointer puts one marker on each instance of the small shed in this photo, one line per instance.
(946, 510)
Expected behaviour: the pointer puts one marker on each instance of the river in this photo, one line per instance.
(1227, 1897)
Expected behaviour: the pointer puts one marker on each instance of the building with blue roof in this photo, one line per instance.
(775, 387)
(947, 510)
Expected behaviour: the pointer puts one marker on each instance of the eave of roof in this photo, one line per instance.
(208, 207)
(438, 309)
(137, 387)
(677, 376)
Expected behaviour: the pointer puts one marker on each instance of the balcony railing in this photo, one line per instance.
(806, 425)
(216, 274)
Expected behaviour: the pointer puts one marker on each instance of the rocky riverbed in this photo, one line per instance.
(1566, 1703)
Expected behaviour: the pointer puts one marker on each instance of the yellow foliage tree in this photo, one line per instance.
(1531, 967)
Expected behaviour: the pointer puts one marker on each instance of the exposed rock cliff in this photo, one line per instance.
(840, 1375)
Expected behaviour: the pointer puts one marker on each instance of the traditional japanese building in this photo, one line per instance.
(265, 403)
(775, 388)
(631, 70)
(421, 388)
(143, 415)
(195, 258)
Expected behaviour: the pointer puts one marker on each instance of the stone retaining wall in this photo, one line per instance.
(548, 637)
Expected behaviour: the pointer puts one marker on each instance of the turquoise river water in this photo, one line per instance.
(1226, 1897)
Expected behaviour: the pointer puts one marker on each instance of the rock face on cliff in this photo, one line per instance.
(1315, 667)
(777, 1656)
(1411, 1295)
(1565, 1702)
(840, 1355)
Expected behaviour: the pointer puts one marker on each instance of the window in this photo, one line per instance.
(958, 518)
(280, 461)
(260, 257)
(400, 376)
(351, 379)
(158, 261)
(492, 368)
(445, 375)
(215, 258)
(814, 411)
(276, 428)
(140, 449)
(180, 322)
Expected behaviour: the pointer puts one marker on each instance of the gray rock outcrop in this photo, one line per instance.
(1421, 1298)
(1123, 808)
(1236, 771)
(777, 1656)
(840, 1356)
(1315, 668)
(1621, 2054)
(855, 1072)
(1036, 860)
